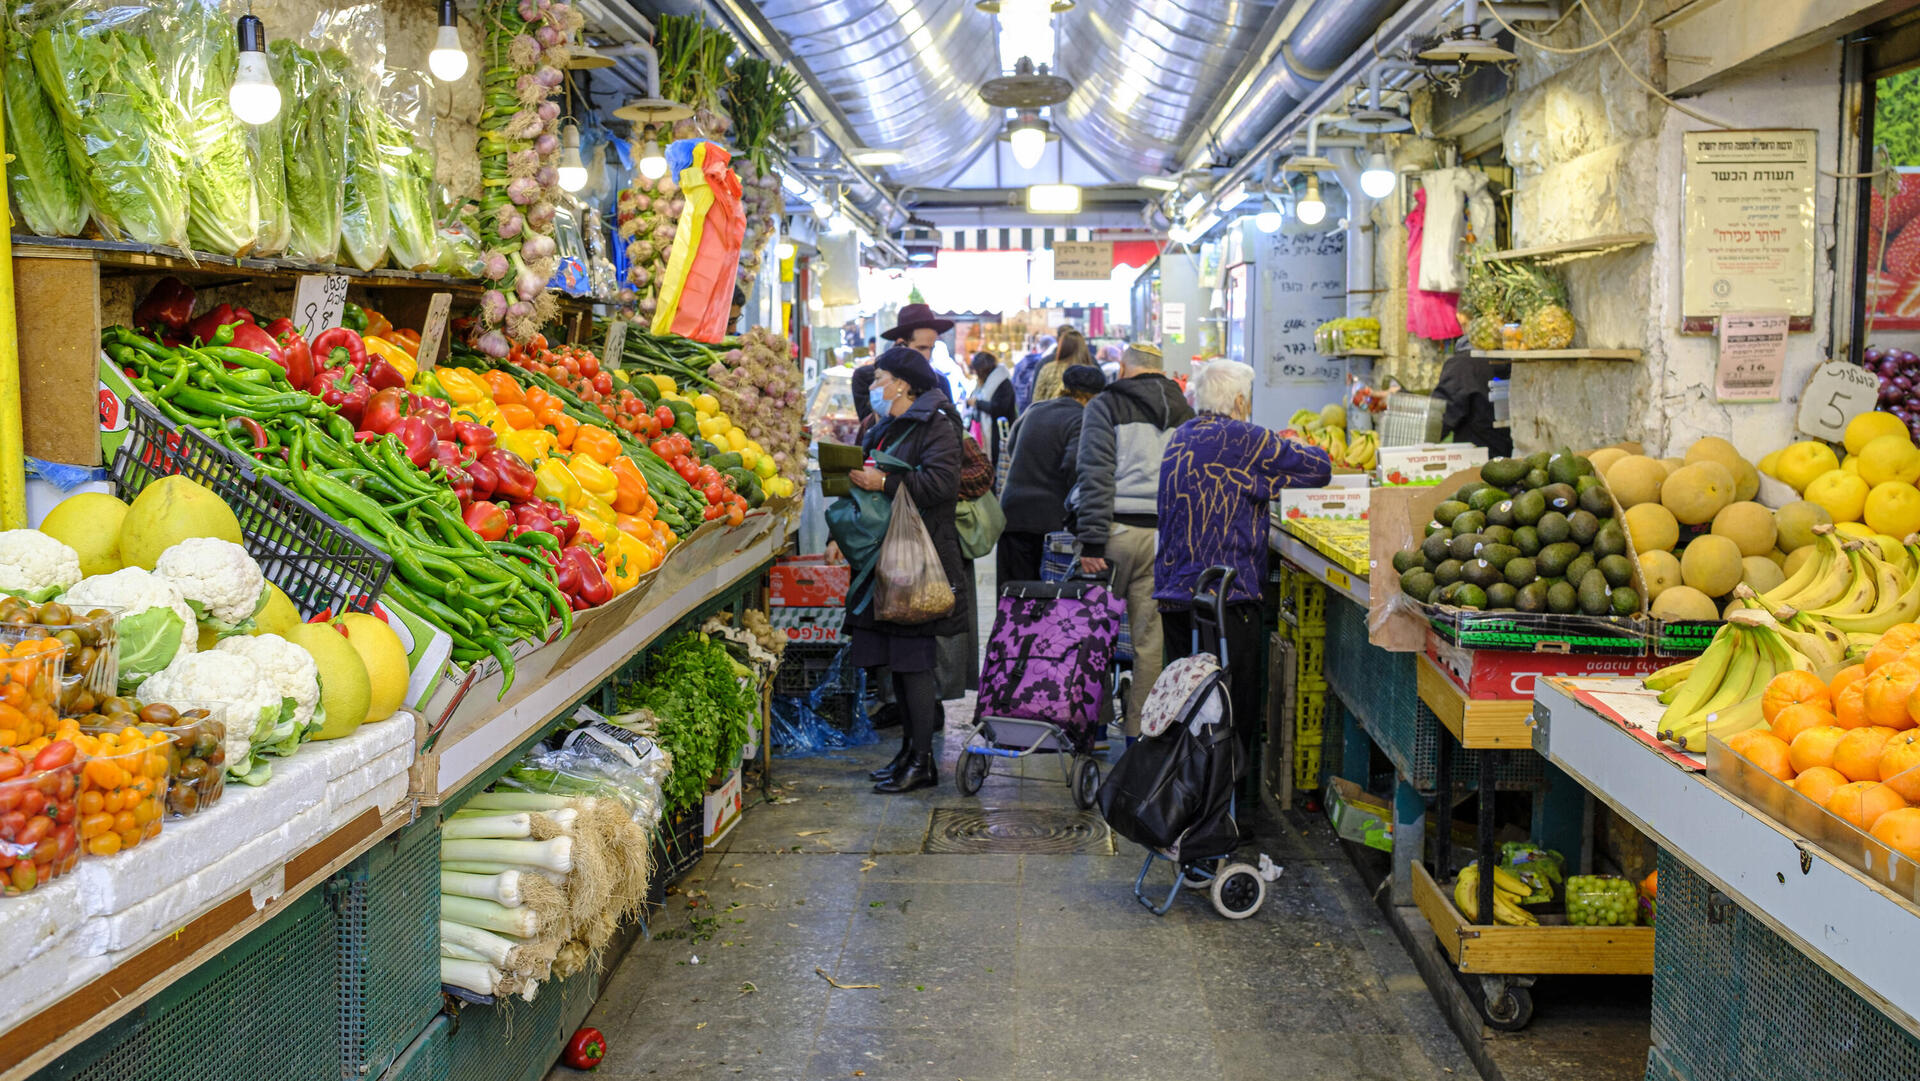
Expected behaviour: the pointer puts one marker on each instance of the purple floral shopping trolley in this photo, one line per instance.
(1043, 686)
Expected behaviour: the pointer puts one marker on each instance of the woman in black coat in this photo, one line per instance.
(919, 426)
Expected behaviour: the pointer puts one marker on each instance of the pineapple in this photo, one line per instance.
(1483, 330)
(1541, 302)
(1484, 302)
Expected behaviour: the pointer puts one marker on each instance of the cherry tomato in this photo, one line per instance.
(54, 755)
(11, 766)
(664, 416)
(603, 382)
(709, 475)
(714, 492)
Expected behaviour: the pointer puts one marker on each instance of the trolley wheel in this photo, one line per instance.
(1238, 891)
(972, 772)
(1195, 877)
(1507, 1007)
(1086, 783)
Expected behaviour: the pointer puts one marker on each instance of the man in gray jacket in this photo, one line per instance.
(1122, 437)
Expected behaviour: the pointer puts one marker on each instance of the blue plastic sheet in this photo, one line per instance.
(801, 728)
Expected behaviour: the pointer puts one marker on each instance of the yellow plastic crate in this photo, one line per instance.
(1306, 767)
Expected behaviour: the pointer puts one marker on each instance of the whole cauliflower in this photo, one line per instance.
(155, 625)
(34, 566)
(290, 669)
(251, 701)
(221, 582)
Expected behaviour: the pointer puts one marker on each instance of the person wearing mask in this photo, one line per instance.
(1028, 368)
(1073, 350)
(920, 427)
(1122, 436)
(1217, 476)
(1044, 449)
(992, 400)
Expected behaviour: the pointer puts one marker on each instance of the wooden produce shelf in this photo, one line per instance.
(1576, 249)
(1479, 724)
(1558, 354)
(1545, 950)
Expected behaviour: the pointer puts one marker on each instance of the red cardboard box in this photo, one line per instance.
(804, 584)
(1488, 673)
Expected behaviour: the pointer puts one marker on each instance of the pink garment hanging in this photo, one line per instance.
(1429, 315)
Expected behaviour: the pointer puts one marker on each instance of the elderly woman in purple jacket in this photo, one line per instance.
(1217, 476)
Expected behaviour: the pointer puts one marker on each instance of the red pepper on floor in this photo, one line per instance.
(337, 347)
(169, 304)
(344, 391)
(487, 519)
(385, 410)
(416, 437)
(585, 1049)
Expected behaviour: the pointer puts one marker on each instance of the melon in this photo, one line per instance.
(168, 511)
(1711, 564)
(1635, 479)
(345, 692)
(89, 523)
(1795, 558)
(1712, 448)
(1652, 528)
(381, 651)
(1684, 602)
(1760, 573)
(1661, 572)
(1695, 493)
(1604, 458)
(1748, 525)
(1793, 524)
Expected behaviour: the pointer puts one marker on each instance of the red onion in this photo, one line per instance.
(494, 344)
(493, 305)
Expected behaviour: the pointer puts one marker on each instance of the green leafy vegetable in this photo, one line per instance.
(148, 641)
(120, 136)
(267, 155)
(45, 196)
(313, 132)
(196, 70)
(365, 228)
(705, 712)
(406, 162)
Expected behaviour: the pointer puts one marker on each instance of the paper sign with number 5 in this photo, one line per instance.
(1836, 393)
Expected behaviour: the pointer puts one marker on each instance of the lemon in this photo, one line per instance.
(1890, 458)
(277, 615)
(706, 403)
(1800, 463)
(754, 449)
(89, 523)
(764, 467)
(1769, 462)
(381, 651)
(1893, 508)
(1840, 493)
(345, 691)
(725, 421)
(737, 439)
(1868, 427)
(667, 386)
(711, 426)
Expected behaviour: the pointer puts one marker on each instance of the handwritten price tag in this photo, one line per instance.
(1837, 393)
(434, 330)
(616, 341)
(318, 301)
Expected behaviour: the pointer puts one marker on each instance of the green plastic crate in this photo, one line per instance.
(387, 904)
(429, 1056)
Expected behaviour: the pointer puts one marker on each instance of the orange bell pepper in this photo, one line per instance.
(405, 339)
(505, 390)
(563, 427)
(518, 417)
(538, 400)
(377, 324)
(596, 443)
(631, 495)
(640, 529)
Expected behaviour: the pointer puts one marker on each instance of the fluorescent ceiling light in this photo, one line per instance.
(877, 156)
(1194, 204)
(793, 184)
(1159, 183)
(1234, 196)
(1053, 199)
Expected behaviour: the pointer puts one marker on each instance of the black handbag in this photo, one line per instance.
(1174, 792)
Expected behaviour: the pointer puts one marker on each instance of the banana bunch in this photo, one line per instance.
(1508, 890)
(1852, 586)
(1362, 449)
(1719, 691)
(1357, 450)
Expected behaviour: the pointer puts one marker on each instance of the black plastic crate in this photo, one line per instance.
(678, 845)
(317, 561)
(807, 667)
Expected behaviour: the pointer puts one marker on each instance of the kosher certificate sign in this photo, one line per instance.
(1749, 225)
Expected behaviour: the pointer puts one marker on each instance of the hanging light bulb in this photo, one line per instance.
(447, 61)
(1028, 137)
(1310, 210)
(1377, 180)
(253, 97)
(573, 171)
(653, 164)
(1269, 219)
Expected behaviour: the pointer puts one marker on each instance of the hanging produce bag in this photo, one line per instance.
(196, 52)
(405, 140)
(313, 128)
(707, 297)
(46, 197)
(910, 584)
(99, 74)
(683, 162)
(365, 226)
(267, 161)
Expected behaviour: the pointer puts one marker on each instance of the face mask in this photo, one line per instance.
(877, 398)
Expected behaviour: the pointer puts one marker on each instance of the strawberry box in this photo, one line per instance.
(808, 582)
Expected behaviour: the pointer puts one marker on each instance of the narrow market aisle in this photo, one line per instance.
(1018, 956)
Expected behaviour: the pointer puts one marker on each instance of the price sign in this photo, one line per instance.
(1753, 350)
(318, 301)
(434, 331)
(1837, 393)
(616, 341)
(1173, 320)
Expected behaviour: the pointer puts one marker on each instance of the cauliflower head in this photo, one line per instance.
(251, 702)
(290, 669)
(155, 625)
(34, 566)
(221, 582)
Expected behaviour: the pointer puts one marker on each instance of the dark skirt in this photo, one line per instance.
(901, 653)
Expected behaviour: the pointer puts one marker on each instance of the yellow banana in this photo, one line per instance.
(1803, 576)
(1860, 593)
(1836, 574)
(1709, 669)
(1505, 911)
(1731, 688)
(1670, 676)
(1903, 607)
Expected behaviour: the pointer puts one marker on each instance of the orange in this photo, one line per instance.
(1815, 747)
(1843, 677)
(1793, 688)
(1850, 705)
(1887, 690)
(1899, 758)
(1763, 749)
(1863, 802)
(1819, 783)
(1893, 645)
(1794, 720)
(1899, 829)
(1858, 754)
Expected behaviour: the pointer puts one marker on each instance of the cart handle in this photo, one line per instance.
(1209, 608)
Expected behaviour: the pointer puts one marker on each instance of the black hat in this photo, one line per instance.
(1084, 378)
(909, 367)
(912, 318)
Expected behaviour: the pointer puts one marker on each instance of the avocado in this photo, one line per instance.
(1519, 570)
(1611, 540)
(1445, 594)
(1562, 599)
(1626, 601)
(1553, 527)
(725, 461)
(1447, 572)
(1497, 534)
(1567, 467)
(1470, 596)
(1560, 497)
(1539, 460)
(1438, 527)
(647, 389)
(1582, 527)
(1405, 561)
(1471, 522)
(1588, 483)
(1480, 573)
(1532, 597)
(1501, 595)
(1617, 569)
(1578, 569)
(1553, 559)
(1485, 497)
(1449, 510)
(1465, 546)
(1537, 478)
(1597, 500)
(1527, 539)
(1528, 507)
(1596, 597)
(1501, 513)
(1501, 472)
(1465, 494)
(1435, 547)
(1418, 585)
(1499, 554)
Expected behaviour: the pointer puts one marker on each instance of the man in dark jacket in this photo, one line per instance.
(1122, 439)
(1045, 461)
(1464, 380)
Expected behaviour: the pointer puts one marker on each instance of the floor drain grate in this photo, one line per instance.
(1041, 832)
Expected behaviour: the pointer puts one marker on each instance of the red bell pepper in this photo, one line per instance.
(531, 517)
(594, 589)
(513, 476)
(566, 526)
(477, 438)
(489, 520)
(168, 304)
(447, 454)
(416, 437)
(295, 357)
(344, 391)
(437, 413)
(204, 327)
(460, 482)
(484, 478)
(382, 374)
(586, 1049)
(340, 347)
(385, 408)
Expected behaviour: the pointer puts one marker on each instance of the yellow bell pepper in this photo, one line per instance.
(595, 528)
(402, 362)
(482, 411)
(627, 560)
(532, 444)
(592, 506)
(597, 479)
(551, 480)
(463, 387)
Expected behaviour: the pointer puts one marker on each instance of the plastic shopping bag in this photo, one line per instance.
(910, 585)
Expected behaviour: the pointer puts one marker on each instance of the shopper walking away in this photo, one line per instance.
(1109, 358)
(1122, 437)
(921, 429)
(1216, 479)
(1073, 350)
(1045, 462)
(992, 401)
(1028, 368)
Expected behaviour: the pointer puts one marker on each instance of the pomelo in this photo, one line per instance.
(345, 691)
(385, 657)
(169, 511)
(89, 523)
(277, 615)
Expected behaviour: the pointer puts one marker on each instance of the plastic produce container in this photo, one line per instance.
(123, 789)
(196, 749)
(39, 840)
(92, 646)
(1602, 901)
(30, 673)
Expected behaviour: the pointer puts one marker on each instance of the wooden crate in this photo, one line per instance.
(1549, 949)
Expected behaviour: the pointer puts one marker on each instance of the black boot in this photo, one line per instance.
(888, 771)
(917, 773)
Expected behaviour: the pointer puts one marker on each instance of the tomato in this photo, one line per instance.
(736, 514)
(714, 492)
(12, 824)
(664, 416)
(709, 475)
(23, 877)
(590, 365)
(687, 470)
(662, 448)
(67, 840)
(32, 804)
(603, 382)
(54, 755)
(11, 765)
(712, 512)
(36, 831)
(629, 404)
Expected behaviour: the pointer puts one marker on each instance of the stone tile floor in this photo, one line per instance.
(1003, 965)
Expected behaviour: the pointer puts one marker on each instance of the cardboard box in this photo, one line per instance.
(114, 390)
(722, 810)
(1426, 464)
(1357, 816)
(808, 582)
(1495, 673)
(1337, 500)
(814, 625)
